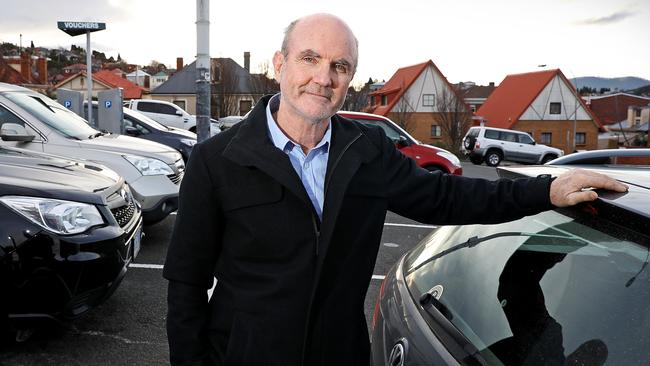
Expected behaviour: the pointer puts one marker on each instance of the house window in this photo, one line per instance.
(473, 108)
(581, 138)
(637, 113)
(180, 103)
(384, 99)
(435, 131)
(547, 137)
(245, 106)
(428, 100)
(556, 108)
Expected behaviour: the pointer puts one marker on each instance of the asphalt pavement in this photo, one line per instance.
(129, 328)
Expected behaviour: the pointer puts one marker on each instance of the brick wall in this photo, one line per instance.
(559, 131)
(420, 128)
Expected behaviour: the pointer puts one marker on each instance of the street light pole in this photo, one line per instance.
(89, 78)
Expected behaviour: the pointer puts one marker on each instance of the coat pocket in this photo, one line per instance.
(251, 195)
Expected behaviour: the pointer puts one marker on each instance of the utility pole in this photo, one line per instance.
(203, 69)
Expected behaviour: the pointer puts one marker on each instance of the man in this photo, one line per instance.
(286, 210)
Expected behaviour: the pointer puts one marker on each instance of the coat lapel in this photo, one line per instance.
(252, 147)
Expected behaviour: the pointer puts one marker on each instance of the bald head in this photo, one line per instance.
(319, 21)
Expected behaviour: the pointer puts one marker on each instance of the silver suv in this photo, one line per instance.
(493, 145)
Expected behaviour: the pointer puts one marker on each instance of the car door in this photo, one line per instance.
(527, 148)
(8, 117)
(510, 145)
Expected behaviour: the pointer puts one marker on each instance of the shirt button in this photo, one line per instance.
(306, 165)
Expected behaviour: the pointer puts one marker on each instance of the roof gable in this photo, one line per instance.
(516, 94)
(397, 85)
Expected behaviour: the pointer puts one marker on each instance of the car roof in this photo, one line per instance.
(499, 129)
(4, 87)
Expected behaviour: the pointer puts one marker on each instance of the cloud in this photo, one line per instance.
(613, 18)
(31, 15)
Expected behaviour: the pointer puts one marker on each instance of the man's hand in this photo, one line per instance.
(577, 186)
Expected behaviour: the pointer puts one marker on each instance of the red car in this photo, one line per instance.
(428, 157)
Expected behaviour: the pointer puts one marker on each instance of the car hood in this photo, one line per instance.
(33, 174)
(131, 145)
(182, 132)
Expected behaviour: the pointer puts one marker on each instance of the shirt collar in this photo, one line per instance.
(280, 140)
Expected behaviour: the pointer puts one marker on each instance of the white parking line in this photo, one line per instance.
(160, 266)
(411, 225)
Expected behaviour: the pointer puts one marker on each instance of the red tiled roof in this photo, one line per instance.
(398, 84)
(516, 93)
(110, 80)
(129, 89)
(613, 108)
(9, 75)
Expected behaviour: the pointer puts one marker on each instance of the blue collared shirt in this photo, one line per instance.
(311, 168)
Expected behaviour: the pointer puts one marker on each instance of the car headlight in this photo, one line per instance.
(61, 217)
(188, 142)
(449, 156)
(149, 166)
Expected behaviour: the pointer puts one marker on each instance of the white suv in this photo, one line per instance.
(493, 145)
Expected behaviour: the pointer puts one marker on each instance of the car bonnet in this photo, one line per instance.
(131, 145)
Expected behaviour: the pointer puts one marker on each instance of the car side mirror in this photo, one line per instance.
(131, 131)
(179, 113)
(402, 141)
(15, 132)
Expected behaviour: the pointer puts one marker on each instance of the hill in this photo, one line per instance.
(613, 84)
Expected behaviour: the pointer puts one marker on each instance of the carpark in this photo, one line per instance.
(129, 328)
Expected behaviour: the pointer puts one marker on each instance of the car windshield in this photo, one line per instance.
(545, 289)
(54, 115)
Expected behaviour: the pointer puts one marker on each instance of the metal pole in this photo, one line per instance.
(203, 69)
(89, 77)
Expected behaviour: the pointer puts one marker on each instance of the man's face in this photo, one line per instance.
(315, 75)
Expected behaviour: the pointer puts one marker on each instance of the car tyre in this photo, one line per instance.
(469, 143)
(493, 158)
(476, 160)
(548, 158)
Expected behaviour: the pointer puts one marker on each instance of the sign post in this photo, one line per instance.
(78, 28)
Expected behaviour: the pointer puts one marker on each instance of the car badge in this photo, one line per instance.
(397, 354)
(436, 291)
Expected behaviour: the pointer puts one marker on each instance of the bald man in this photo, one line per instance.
(286, 211)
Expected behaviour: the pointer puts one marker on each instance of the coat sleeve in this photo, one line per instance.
(191, 258)
(445, 199)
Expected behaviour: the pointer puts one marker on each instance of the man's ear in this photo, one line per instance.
(278, 62)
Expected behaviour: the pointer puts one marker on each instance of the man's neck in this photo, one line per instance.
(303, 132)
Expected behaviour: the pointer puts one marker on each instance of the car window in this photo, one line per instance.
(473, 132)
(146, 121)
(392, 133)
(53, 114)
(166, 109)
(508, 136)
(147, 107)
(8, 117)
(130, 122)
(525, 139)
(491, 134)
(543, 290)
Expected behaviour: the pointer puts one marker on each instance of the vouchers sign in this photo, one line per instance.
(77, 28)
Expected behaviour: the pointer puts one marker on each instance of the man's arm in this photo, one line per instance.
(191, 257)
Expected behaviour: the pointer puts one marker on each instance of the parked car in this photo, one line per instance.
(33, 121)
(428, 157)
(493, 145)
(68, 230)
(563, 287)
(168, 114)
(137, 124)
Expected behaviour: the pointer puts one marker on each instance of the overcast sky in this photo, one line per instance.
(469, 40)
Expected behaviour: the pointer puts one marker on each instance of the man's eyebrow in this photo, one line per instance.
(309, 52)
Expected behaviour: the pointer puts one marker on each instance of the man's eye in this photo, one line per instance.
(341, 68)
(309, 59)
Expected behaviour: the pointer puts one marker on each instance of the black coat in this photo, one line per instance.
(290, 289)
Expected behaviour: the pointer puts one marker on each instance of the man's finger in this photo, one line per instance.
(584, 196)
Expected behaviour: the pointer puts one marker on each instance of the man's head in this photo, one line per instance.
(315, 66)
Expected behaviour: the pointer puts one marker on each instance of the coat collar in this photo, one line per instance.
(252, 146)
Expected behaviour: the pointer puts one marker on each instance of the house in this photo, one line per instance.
(103, 80)
(474, 95)
(139, 77)
(234, 90)
(24, 70)
(158, 79)
(421, 100)
(613, 108)
(546, 105)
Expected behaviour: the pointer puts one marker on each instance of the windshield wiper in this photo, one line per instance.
(475, 240)
(101, 133)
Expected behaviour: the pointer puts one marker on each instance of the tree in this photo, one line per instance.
(225, 83)
(263, 83)
(403, 113)
(454, 117)
(357, 97)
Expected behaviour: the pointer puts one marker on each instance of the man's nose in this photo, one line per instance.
(323, 74)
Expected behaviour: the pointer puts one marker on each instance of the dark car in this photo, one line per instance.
(564, 287)
(428, 157)
(68, 230)
(137, 124)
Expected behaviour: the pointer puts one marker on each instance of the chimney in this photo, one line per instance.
(179, 64)
(25, 66)
(42, 69)
(492, 83)
(146, 81)
(247, 61)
